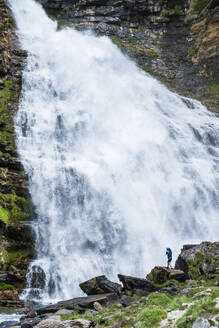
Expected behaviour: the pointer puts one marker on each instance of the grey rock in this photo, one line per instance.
(29, 322)
(8, 324)
(78, 323)
(186, 291)
(126, 300)
(131, 283)
(100, 285)
(48, 323)
(201, 323)
(206, 292)
(189, 252)
(63, 311)
(81, 303)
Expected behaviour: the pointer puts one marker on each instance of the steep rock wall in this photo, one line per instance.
(175, 41)
(16, 238)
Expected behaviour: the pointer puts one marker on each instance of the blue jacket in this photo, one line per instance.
(169, 254)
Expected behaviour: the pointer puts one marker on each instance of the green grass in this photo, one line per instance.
(13, 257)
(4, 286)
(166, 283)
(75, 315)
(213, 89)
(4, 215)
(192, 50)
(17, 208)
(151, 311)
(151, 317)
(203, 305)
(200, 5)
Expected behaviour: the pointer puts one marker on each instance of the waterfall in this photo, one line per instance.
(119, 167)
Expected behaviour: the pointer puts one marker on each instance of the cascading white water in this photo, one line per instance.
(119, 167)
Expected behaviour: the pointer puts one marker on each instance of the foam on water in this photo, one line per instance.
(9, 317)
(119, 167)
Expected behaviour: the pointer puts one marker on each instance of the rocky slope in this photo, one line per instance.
(177, 41)
(16, 239)
(167, 298)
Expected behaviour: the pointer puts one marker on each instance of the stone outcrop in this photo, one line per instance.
(100, 285)
(175, 41)
(199, 260)
(159, 275)
(135, 285)
(16, 244)
(81, 303)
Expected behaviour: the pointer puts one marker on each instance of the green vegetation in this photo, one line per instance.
(4, 286)
(200, 5)
(5, 94)
(4, 215)
(196, 264)
(192, 50)
(11, 22)
(151, 317)
(203, 305)
(149, 311)
(213, 89)
(166, 283)
(152, 54)
(6, 134)
(14, 208)
(172, 12)
(14, 257)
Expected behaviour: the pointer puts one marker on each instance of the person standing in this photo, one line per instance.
(169, 258)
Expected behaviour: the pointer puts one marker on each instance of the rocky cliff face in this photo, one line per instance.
(16, 239)
(176, 41)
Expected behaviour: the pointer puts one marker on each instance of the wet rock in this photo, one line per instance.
(19, 232)
(81, 303)
(133, 283)
(3, 276)
(201, 323)
(159, 275)
(100, 285)
(29, 322)
(8, 324)
(38, 277)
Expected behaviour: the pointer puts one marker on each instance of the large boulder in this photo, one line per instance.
(197, 260)
(100, 285)
(133, 284)
(159, 275)
(81, 303)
